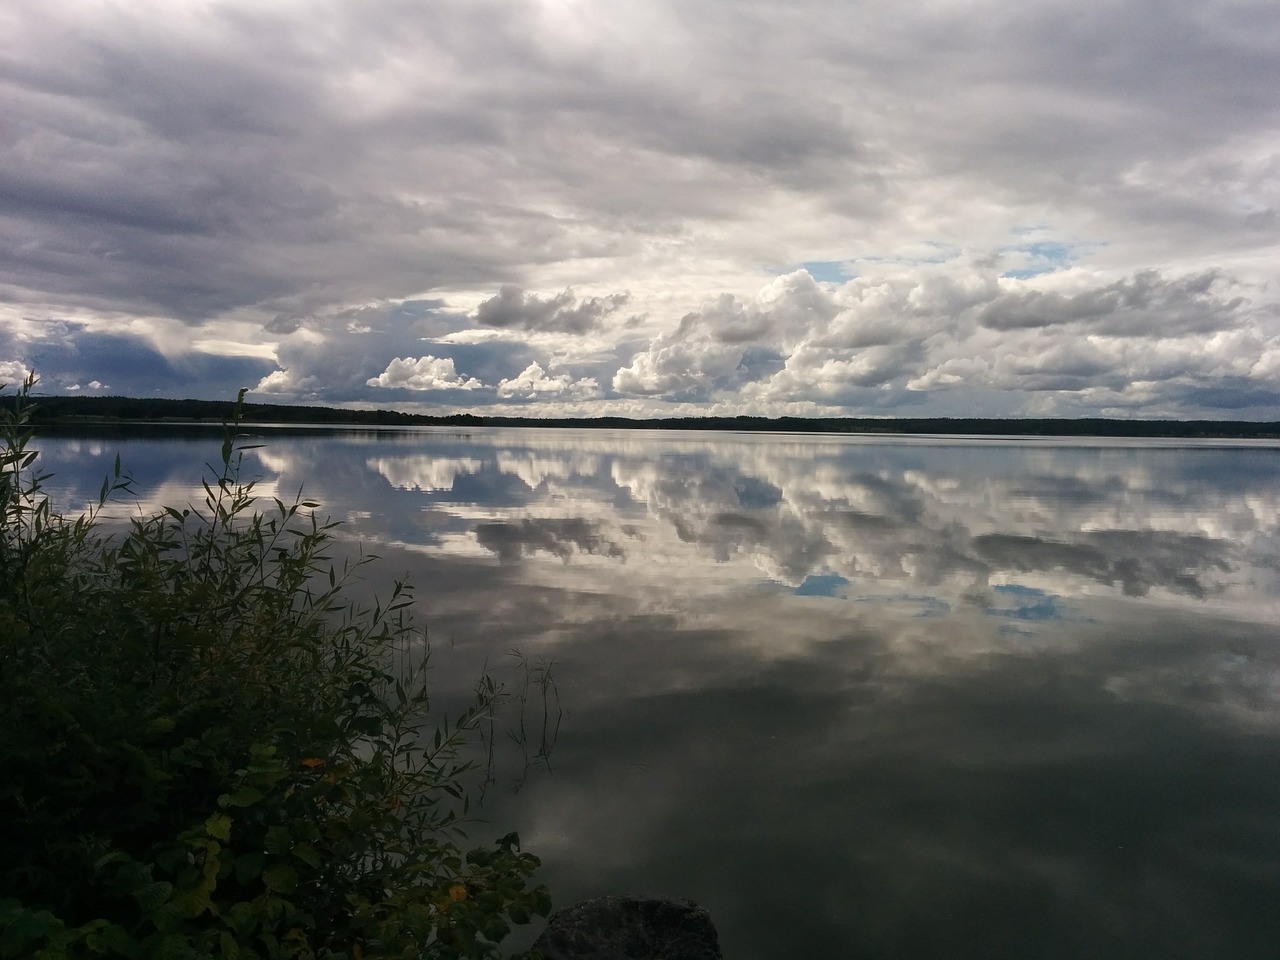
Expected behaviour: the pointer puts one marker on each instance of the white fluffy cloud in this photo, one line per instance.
(533, 383)
(1087, 338)
(13, 372)
(729, 343)
(424, 373)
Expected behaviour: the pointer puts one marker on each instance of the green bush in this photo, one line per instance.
(209, 752)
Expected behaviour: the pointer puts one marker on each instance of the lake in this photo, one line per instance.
(890, 697)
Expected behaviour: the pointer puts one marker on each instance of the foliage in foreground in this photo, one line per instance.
(209, 752)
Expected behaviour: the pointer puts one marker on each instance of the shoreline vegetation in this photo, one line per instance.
(59, 410)
(211, 751)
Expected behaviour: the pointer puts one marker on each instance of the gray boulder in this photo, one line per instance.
(630, 928)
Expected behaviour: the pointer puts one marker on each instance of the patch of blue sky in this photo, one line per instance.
(821, 585)
(1038, 258)
(834, 586)
(829, 271)
(1016, 602)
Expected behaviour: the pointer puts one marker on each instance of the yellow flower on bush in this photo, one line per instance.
(313, 763)
(455, 893)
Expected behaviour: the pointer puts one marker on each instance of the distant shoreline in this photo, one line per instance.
(59, 410)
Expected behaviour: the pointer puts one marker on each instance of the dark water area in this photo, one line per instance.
(892, 697)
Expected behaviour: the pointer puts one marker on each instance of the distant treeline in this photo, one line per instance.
(131, 409)
(155, 409)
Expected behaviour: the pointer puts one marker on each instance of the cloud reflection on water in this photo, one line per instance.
(951, 519)
(891, 698)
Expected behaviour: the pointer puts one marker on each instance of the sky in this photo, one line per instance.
(647, 209)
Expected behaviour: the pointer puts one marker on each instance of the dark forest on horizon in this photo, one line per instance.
(80, 409)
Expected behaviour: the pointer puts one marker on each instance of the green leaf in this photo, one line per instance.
(495, 929)
(509, 842)
(169, 860)
(218, 826)
(278, 840)
(249, 865)
(541, 901)
(115, 856)
(280, 879)
(246, 796)
(192, 903)
(307, 854)
(23, 926)
(169, 946)
(111, 938)
(152, 896)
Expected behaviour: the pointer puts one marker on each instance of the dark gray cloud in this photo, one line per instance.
(563, 313)
(1144, 305)
(976, 176)
(1136, 561)
(560, 538)
(127, 365)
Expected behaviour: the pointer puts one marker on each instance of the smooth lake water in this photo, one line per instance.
(901, 697)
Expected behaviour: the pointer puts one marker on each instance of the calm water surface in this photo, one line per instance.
(891, 697)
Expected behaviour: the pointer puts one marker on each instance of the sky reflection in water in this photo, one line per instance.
(893, 697)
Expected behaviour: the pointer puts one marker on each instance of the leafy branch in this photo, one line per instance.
(211, 752)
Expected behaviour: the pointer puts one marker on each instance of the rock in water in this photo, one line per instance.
(630, 928)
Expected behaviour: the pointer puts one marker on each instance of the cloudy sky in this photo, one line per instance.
(648, 208)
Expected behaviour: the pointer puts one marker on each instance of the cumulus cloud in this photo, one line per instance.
(818, 373)
(563, 313)
(1144, 305)
(533, 383)
(877, 340)
(729, 343)
(13, 372)
(424, 373)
